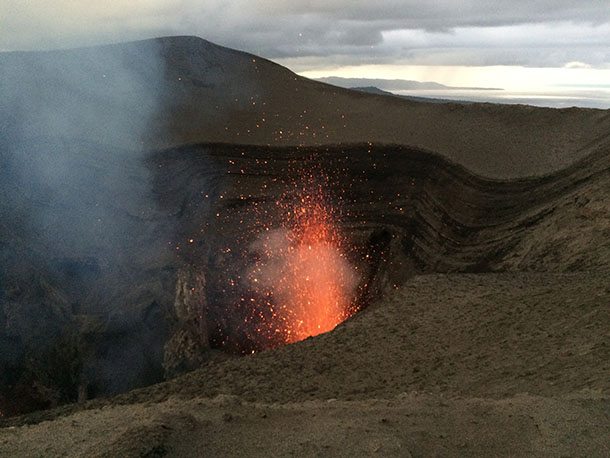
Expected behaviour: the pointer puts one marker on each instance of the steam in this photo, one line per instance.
(79, 224)
(85, 243)
(77, 125)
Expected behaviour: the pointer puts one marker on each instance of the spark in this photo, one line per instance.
(302, 267)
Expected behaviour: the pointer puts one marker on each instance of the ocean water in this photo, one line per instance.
(586, 97)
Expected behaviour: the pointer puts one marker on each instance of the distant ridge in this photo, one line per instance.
(394, 84)
(377, 91)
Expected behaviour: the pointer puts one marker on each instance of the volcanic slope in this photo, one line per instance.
(182, 90)
(486, 326)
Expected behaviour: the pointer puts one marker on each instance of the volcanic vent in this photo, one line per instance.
(301, 282)
(268, 239)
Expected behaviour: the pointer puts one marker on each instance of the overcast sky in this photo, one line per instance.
(328, 35)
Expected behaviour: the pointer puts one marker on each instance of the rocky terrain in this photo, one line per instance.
(135, 179)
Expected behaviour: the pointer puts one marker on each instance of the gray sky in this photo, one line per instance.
(535, 33)
(319, 37)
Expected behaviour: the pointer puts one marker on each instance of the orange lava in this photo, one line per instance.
(303, 273)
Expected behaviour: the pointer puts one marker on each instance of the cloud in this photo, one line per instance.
(472, 32)
(576, 64)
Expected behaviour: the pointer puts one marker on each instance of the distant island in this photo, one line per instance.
(395, 84)
(413, 98)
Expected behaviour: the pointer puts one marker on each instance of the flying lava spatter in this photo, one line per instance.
(302, 281)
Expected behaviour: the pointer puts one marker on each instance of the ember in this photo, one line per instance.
(303, 284)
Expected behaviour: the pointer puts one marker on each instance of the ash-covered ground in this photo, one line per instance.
(471, 243)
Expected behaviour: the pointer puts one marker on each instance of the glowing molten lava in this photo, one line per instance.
(302, 275)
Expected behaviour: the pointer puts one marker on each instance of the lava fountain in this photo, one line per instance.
(302, 281)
